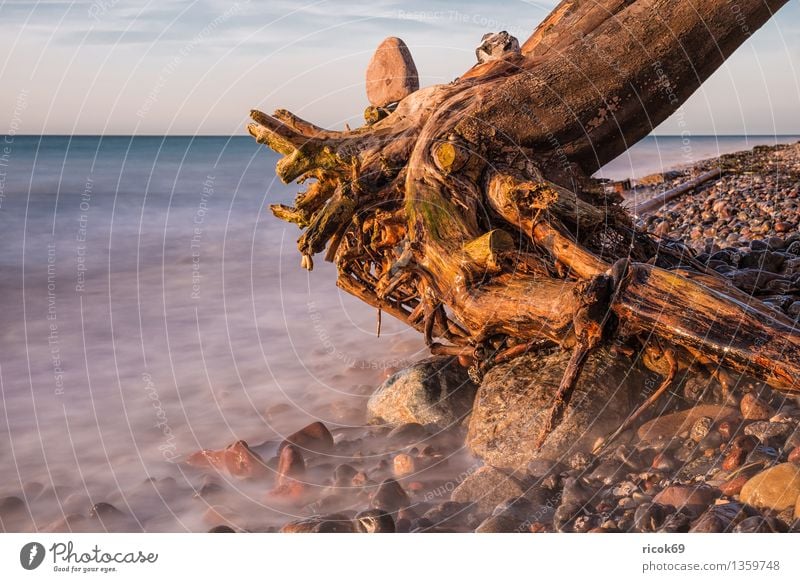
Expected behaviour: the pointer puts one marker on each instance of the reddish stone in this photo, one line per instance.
(291, 465)
(794, 456)
(314, 438)
(238, 460)
(755, 408)
(725, 429)
(733, 486)
(738, 451)
(391, 73)
(694, 498)
(359, 479)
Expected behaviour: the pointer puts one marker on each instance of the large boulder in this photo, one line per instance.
(391, 74)
(435, 391)
(515, 398)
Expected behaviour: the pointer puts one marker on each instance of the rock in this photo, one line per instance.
(760, 524)
(520, 508)
(391, 74)
(678, 522)
(764, 430)
(291, 465)
(222, 529)
(218, 515)
(487, 487)
(343, 475)
(435, 391)
(754, 408)
(500, 524)
(515, 397)
(11, 505)
(408, 433)
(677, 423)
(403, 465)
(104, 510)
(693, 498)
(797, 509)
(495, 46)
(315, 438)
(374, 521)
(738, 450)
(449, 513)
(649, 517)
(718, 518)
(734, 485)
(577, 492)
(390, 496)
(580, 461)
(334, 523)
(794, 456)
(701, 428)
(238, 460)
(776, 488)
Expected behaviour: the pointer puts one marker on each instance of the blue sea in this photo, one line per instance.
(152, 306)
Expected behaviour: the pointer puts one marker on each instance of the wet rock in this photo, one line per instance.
(794, 456)
(677, 423)
(335, 523)
(487, 487)
(580, 461)
(664, 461)
(718, 518)
(391, 74)
(542, 468)
(390, 496)
(760, 524)
(678, 522)
(291, 465)
(314, 438)
(403, 465)
(734, 485)
(500, 524)
(693, 499)
(11, 505)
(776, 488)
(514, 399)
(217, 515)
(519, 508)
(764, 431)
(577, 492)
(343, 475)
(436, 391)
(649, 517)
(609, 471)
(238, 460)
(701, 428)
(104, 510)
(450, 513)
(374, 521)
(408, 433)
(567, 516)
(738, 450)
(755, 408)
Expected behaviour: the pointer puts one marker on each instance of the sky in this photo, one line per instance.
(198, 67)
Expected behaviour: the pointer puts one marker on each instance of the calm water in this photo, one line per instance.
(152, 306)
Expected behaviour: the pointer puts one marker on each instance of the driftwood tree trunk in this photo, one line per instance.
(469, 213)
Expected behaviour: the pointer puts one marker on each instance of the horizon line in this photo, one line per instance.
(248, 136)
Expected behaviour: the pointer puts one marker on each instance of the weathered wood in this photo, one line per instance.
(659, 200)
(467, 212)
